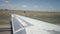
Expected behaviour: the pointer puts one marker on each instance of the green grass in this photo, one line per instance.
(55, 19)
(4, 16)
(4, 22)
(4, 19)
(52, 18)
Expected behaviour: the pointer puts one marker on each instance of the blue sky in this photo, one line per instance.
(35, 5)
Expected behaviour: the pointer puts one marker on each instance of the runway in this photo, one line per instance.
(26, 25)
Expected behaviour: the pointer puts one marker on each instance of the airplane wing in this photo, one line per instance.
(26, 25)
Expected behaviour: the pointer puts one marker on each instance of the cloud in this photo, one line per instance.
(6, 1)
(35, 6)
(50, 8)
(2, 5)
(24, 6)
(7, 6)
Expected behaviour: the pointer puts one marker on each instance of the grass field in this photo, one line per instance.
(4, 17)
(50, 17)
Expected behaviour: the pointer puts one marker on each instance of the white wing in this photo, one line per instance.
(25, 25)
